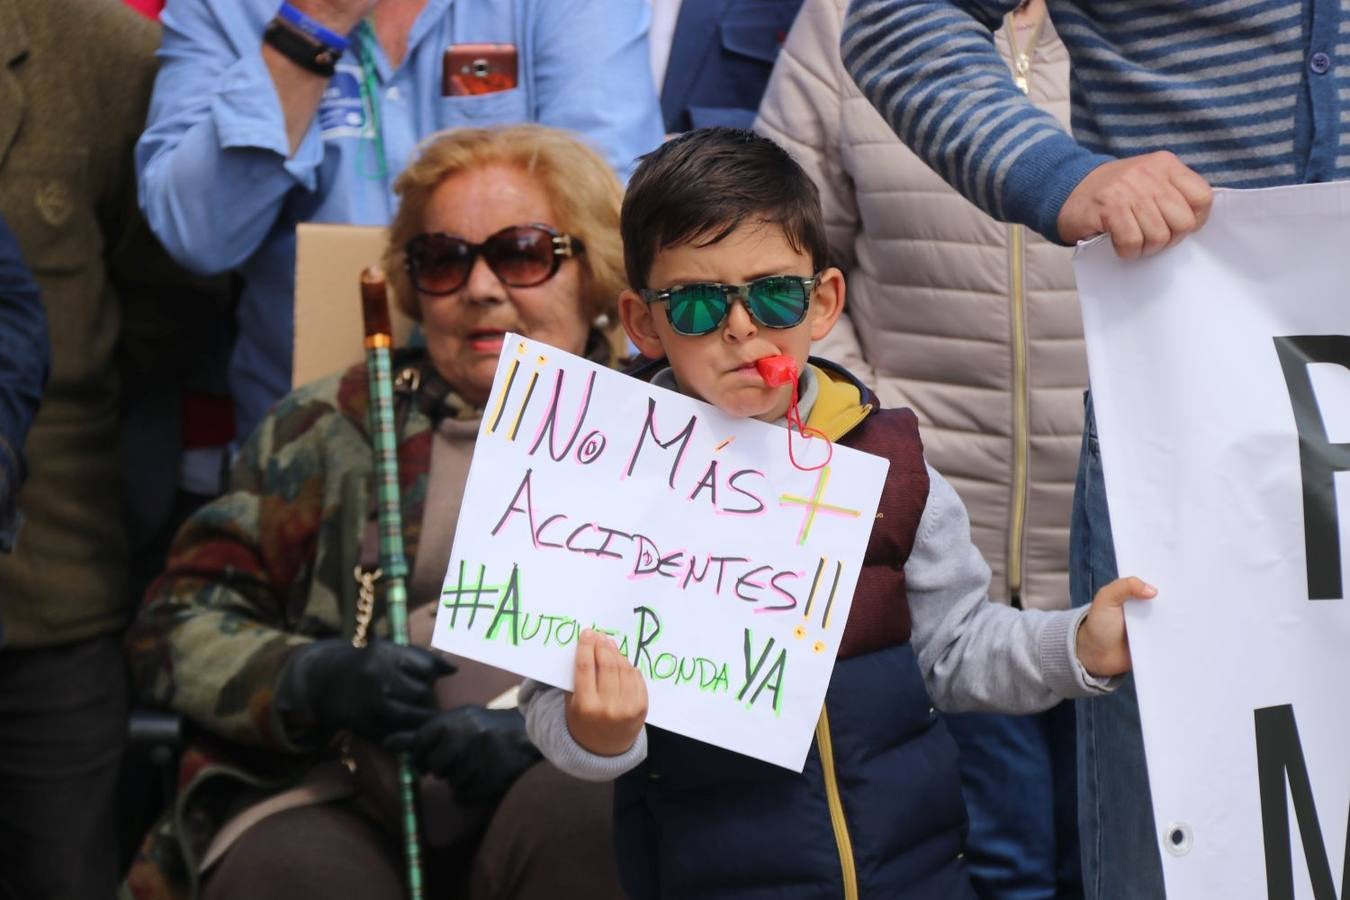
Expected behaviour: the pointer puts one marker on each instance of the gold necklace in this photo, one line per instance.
(1021, 59)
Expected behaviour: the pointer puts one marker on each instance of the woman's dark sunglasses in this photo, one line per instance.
(775, 301)
(520, 256)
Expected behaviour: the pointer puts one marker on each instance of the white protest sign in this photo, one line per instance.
(724, 572)
(1222, 391)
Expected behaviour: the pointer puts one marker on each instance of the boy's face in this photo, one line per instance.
(719, 367)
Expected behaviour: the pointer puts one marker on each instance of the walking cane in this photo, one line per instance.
(379, 338)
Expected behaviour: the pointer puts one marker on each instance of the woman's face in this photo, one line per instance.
(465, 329)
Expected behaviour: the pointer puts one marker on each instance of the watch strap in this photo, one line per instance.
(310, 55)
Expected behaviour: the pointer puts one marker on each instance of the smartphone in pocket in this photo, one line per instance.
(469, 69)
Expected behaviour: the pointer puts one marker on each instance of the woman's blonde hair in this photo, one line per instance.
(581, 187)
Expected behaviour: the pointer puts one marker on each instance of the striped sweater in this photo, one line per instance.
(1218, 82)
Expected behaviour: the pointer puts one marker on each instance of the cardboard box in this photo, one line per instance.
(328, 330)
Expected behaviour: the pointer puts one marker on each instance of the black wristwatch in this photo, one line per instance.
(308, 54)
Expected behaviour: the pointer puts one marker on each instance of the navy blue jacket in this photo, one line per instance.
(879, 801)
(721, 56)
(25, 358)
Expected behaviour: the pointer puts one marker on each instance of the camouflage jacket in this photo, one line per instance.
(251, 576)
(262, 570)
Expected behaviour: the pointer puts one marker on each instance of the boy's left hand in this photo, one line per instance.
(608, 704)
(1103, 647)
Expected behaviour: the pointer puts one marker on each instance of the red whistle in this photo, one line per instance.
(777, 370)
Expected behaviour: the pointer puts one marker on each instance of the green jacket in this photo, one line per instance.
(268, 566)
(261, 570)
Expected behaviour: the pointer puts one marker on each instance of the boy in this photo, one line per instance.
(877, 811)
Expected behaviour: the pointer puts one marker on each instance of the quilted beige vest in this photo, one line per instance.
(972, 323)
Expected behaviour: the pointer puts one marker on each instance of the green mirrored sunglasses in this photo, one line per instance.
(775, 301)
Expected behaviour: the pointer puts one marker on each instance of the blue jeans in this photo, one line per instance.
(1019, 781)
(1115, 810)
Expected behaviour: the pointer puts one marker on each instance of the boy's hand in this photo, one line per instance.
(609, 698)
(1103, 647)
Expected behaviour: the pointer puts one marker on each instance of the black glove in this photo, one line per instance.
(479, 752)
(374, 691)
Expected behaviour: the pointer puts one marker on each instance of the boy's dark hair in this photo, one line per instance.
(704, 184)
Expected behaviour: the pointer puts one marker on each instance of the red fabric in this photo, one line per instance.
(880, 614)
(148, 8)
(208, 420)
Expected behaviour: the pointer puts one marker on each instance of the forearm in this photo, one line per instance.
(930, 67)
(974, 654)
(217, 628)
(298, 89)
(545, 710)
(1000, 659)
(202, 651)
(224, 145)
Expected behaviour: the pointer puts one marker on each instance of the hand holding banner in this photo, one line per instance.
(1221, 380)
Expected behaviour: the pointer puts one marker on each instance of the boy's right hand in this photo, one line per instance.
(1102, 643)
(608, 704)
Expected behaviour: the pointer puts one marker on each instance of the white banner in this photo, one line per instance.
(724, 572)
(1221, 380)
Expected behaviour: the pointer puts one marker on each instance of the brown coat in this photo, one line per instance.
(995, 376)
(75, 80)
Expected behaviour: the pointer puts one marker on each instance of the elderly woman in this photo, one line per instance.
(249, 633)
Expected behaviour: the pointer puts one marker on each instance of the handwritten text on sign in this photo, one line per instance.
(724, 572)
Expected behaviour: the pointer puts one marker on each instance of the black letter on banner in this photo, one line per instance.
(1279, 752)
(1319, 459)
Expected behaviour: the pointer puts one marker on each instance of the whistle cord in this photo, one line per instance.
(794, 418)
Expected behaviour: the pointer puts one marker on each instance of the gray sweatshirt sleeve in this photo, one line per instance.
(545, 713)
(974, 654)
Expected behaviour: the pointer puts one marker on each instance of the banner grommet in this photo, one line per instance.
(1177, 839)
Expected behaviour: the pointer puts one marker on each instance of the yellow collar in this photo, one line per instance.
(839, 407)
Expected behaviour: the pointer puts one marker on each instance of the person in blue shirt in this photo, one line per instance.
(245, 140)
(25, 359)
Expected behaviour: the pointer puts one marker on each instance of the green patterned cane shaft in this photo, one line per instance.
(392, 561)
(412, 843)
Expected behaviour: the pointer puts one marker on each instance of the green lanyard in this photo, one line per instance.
(370, 93)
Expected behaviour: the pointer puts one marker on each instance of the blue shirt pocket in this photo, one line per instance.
(497, 108)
